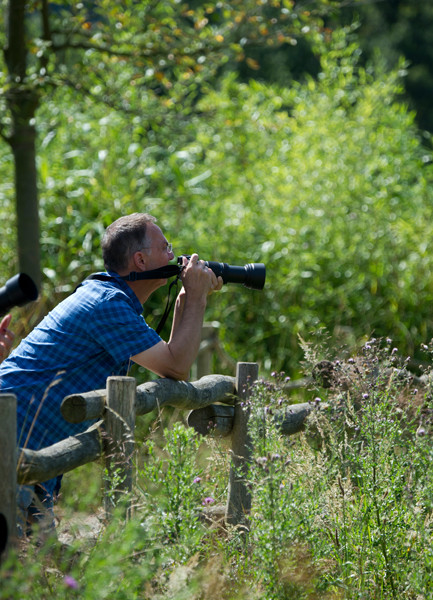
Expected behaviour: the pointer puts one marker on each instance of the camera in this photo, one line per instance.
(252, 275)
(17, 291)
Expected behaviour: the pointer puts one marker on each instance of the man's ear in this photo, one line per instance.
(140, 262)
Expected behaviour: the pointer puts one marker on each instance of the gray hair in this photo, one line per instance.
(122, 238)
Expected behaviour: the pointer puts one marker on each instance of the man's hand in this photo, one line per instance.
(6, 337)
(197, 278)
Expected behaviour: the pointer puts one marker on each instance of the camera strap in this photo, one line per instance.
(168, 306)
(161, 273)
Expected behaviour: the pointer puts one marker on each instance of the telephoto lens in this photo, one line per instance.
(252, 276)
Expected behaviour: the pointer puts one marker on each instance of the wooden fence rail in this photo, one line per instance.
(214, 402)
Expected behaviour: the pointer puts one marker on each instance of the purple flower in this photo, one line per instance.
(69, 581)
(197, 480)
(207, 501)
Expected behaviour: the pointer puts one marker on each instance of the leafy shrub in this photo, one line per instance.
(326, 182)
(329, 185)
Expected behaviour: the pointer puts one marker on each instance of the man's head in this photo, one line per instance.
(123, 238)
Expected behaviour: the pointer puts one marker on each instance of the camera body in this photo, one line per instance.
(252, 275)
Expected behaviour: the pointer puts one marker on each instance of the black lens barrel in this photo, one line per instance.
(252, 276)
(17, 291)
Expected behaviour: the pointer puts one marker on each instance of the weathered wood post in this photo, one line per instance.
(8, 472)
(239, 498)
(119, 422)
(209, 337)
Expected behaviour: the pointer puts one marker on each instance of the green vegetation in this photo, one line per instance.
(328, 183)
(140, 58)
(341, 511)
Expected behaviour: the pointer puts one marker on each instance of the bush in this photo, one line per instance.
(326, 182)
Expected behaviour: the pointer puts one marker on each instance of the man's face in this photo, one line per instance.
(158, 252)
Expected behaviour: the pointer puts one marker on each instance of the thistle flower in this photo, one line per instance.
(70, 582)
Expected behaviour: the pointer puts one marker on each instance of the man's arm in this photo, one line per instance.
(6, 337)
(175, 357)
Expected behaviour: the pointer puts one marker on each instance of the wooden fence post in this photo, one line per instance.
(239, 498)
(119, 421)
(8, 472)
(209, 337)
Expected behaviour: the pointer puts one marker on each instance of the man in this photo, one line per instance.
(6, 337)
(97, 332)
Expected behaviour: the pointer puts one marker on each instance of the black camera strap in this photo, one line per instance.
(161, 273)
(168, 306)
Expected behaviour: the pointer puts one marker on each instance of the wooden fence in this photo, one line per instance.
(214, 402)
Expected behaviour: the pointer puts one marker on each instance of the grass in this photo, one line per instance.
(341, 511)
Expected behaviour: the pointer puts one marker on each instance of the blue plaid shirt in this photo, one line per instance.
(89, 336)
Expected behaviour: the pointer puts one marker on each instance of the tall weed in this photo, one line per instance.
(354, 489)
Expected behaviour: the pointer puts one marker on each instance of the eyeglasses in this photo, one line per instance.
(168, 247)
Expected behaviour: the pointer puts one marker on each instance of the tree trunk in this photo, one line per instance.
(23, 101)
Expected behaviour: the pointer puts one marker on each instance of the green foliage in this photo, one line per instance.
(393, 30)
(137, 58)
(327, 183)
(358, 498)
(270, 529)
(373, 468)
(111, 568)
(171, 485)
(343, 510)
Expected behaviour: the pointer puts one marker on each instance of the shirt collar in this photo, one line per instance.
(127, 289)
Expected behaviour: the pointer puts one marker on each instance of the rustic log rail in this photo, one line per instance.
(77, 408)
(214, 402)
